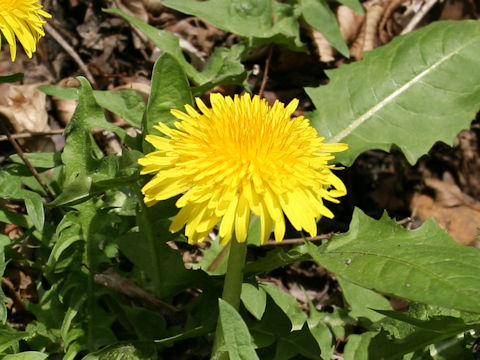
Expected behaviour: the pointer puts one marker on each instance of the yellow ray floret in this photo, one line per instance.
(242, 156)
(22, 20)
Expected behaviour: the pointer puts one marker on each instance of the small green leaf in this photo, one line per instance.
(77, 301)
(418, 89)
(128, 104)
(76, 191)
(59, 92)
(81, 154)
(11, 187)
(318, 14)
(46, 160)
(361, 301)
(34, 205)
(26, 355)
(323, 336)
(10, 217)
(277, 258)
(432, 331)
(68, 232)
(164, 40)
(254, 298)
(263, 21)
(355, 5)
(287, 303)
(11, 78)
(214, 253)
(123, 352)
(4, 240)
(9, 337)
(170, 90)
(172, 273)
(297, 342)
(423, 265)
(238, 341)
(224, 67)
(357, 346)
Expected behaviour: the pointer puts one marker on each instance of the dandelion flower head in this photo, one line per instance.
(237, 157)
(22, 20)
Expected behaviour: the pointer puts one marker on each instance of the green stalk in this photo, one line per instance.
(232, 289)
(147, 230)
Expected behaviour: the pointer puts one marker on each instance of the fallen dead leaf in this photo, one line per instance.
(350, 23)
(454, 211)
(25, 108)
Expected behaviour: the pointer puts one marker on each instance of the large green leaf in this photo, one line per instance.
(420, 88)
(423, 265)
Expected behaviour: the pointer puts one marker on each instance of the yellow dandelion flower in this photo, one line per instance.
(238, 157)
(22, 19)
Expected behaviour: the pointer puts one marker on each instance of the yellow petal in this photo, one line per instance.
(242, 219)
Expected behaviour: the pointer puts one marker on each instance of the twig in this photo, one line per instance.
(295, 241)
(219, 258)
(17, 300)
(113, 281)
(20, 152)
(418, 16)
(27, 135)
(70, 51)
(301, 240)
(265, 72)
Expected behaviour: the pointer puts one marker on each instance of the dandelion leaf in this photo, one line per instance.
(423, 265)
(421, 88)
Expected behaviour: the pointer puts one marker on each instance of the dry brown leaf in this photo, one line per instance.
(350, 23)
(453, 210)
(326, 51)
(368, 38)
(135, 8)
(385, 35)
(153, 6)
(65, 108)
(25, 107)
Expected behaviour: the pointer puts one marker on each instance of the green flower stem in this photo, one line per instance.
(152, 244)
(234, 276)
(232, 289)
